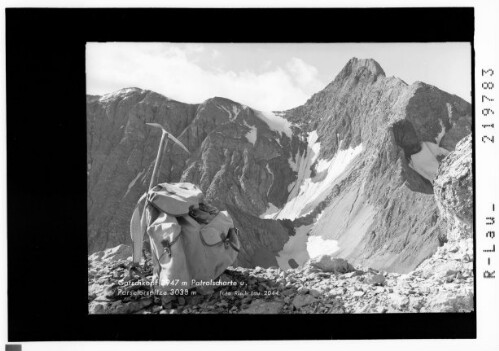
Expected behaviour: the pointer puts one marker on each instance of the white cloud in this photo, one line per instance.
(215, 53)
(194, 48)
(304, 74)
(175, 71)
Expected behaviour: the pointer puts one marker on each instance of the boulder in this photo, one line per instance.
(399, 302)
(328, 263)
(376, 279)
(120, 252)
(303, 300)
(450, 301)
(358, 294)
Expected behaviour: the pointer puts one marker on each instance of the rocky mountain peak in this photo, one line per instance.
(131, 89)
(219, 99)
(135, 94)
(126, 91)
(357, 67)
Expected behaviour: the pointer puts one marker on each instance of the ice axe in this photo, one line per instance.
(138, 223)
(162, 146)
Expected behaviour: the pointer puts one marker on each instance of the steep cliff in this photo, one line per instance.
(377, 147)
(454, 191)
(120, 154)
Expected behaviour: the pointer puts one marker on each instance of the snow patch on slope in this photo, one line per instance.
(442, 132)
(307, 193)
(295, 248)
(118, 93)
(276, 123)
(317, 246)
(232, 113)
(251, 135)
(425, 162)
(235, 110)
(273, 178)
(271, 212)
(301, 247)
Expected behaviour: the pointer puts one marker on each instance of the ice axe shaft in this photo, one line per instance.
(162, 147)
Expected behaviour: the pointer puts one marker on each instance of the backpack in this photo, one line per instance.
(189, 249)
(175, 199)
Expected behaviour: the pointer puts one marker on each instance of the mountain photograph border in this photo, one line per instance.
(111, 25)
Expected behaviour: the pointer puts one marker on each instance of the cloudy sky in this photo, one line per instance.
(265, 76)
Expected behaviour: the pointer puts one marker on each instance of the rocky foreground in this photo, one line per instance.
(443, 283)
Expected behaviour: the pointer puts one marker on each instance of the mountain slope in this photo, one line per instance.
(237, 153)
(382, 140)
(350, 172)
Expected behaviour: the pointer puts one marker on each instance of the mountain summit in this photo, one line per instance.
(358, 66)
(350, 173)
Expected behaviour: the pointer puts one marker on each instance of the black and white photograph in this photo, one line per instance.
(294, 175)
(279, 178)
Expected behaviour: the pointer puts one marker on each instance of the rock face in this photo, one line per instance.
(388, 139)
(351, 171)
(454, 191)
(236, 154)
(120, 153)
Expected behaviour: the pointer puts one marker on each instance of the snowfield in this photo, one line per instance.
(302, 247)
(276, 123)
(309, 192)
(425, 162)
(305, 194)
(232, 114)
(317, 246)
(118, 93)
(252, 134)
(273, 178)
(441, 134)
(295, 248)
(271, 212)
